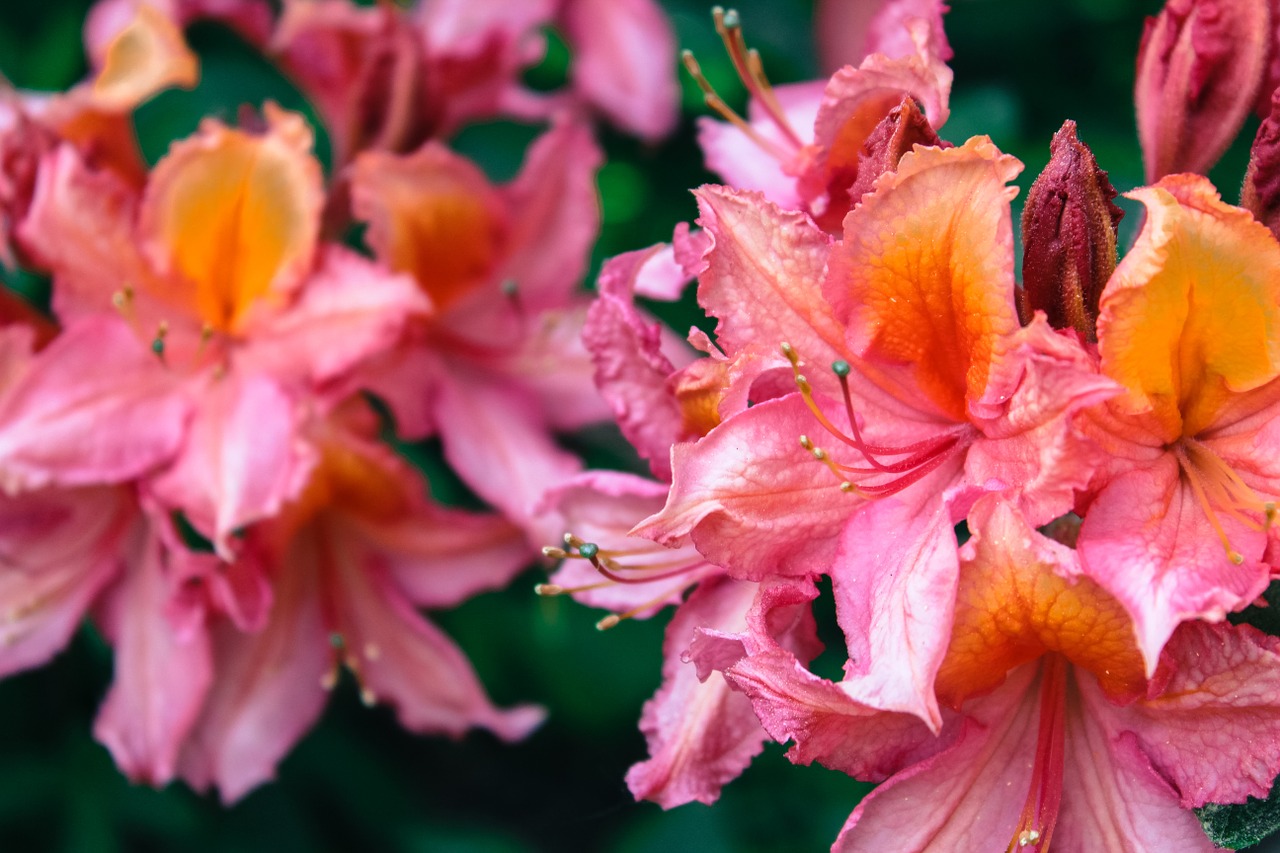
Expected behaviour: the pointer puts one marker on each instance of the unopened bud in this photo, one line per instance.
(1199, 67)
(1068, 237)
(904, 127)
(1261, 192)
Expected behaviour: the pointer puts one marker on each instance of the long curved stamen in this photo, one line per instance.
(918, 458)
(1220, 491)
(714, 102)
(1044, 796)
(751, 70)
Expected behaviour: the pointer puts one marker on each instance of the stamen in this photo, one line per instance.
(718, 104)
(1044, 796)
(614, 618)
(157, 342)
(729, 27)
(1221, 491)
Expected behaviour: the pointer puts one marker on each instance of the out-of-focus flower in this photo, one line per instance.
(1178, 525)
(498, 365)
(203, 320)
(349, 560)
(1200, 66)
(847, 33)
(1053, 736)
(774, 150)
(1068, 237)
(935, 396)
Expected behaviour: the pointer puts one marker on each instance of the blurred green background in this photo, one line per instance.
(358, 782)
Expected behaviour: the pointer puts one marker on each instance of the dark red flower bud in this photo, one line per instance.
(1261, 192)
(1068, 237)
(904, 127)
(1199, 68)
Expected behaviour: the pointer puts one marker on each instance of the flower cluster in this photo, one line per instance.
(1035, 505)
(189, 448)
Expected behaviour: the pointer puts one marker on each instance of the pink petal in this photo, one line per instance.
(849, 32)
(701, 734)
(624, 62)
(162, 675)
(495, 439)
(555, 216)
(965, 797)
(348, 311)
(96, 406)
(402, 659)
(1213, 730)
(751, 498)
(243, 458)
(59, 548)
(765, 266)
(1147, 541)
(602, 507)
(895, 579)
(267, 693)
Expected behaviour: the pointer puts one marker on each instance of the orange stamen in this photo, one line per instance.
(1220, 491)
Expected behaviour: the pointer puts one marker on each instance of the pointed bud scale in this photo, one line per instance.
(1199, 68)
(1068, 237)
(904, 127)
(1261, 191)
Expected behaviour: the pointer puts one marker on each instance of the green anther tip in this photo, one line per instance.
(840, 368)
(157, 346)
(588, 549)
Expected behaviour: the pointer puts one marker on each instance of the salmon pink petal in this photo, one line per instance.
(701, 733)
(751, 499)
(96, 406)
(553, 364)
(1036, 388)
(555, 216)
(138, 50)
(624, 62)
(59, 548)
(743, 164)
(1212, 730)
(242, 460)
(958, 798)
(80, 228)
(894, 600)
(849, 32)
(601, 507)
(495, 438)
(402, 659)
(231, 218)
(763, 268)
(162, 674)
(267, 693)
(924, 277)
(349, 311)
(1147, 541)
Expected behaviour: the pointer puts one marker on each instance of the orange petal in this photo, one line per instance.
(1020, 597)
(1191, 316)
(232, 217)
(432, 214)
(924, 277)
(149, 54)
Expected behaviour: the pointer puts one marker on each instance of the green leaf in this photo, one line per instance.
(1243, 824)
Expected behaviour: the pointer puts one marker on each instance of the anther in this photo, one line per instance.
(157, 343)
(589, 550)
(608, 622)
(554, 552)
(367, 697)
(548, 589)
(841, 368)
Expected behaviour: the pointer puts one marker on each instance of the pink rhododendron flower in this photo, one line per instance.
(349, 559)
(800, 143)
(1053, 735)
(498, 365)
(936, 396)
(1178, 523)
(848, 33)
(229, 322)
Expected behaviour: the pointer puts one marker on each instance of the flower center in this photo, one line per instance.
(1221, 492)
(883, 469)
(1044, 795)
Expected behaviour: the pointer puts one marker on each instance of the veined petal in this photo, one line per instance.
(161, 674)
(751, 499)
(96, 406)
(1192, 315)
(232, 218)
(924, 277)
